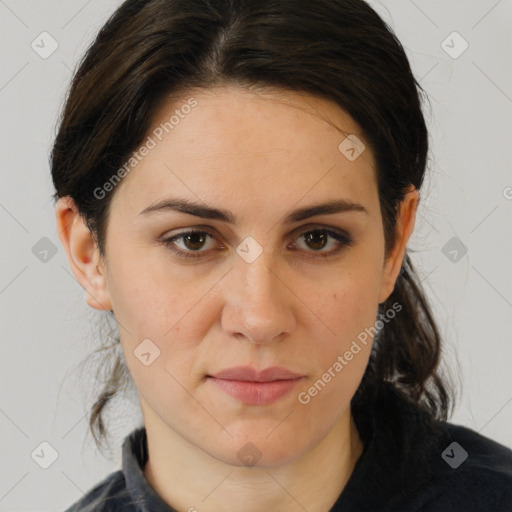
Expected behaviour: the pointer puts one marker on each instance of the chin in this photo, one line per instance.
(257, 451)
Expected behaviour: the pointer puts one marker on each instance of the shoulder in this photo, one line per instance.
(109, 495)
(413, 462)
(471, 473)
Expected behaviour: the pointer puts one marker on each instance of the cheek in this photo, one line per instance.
(339, 359)
(151, 296)
(164, 314)
(349, 305)
(347, 312)
(343, 356)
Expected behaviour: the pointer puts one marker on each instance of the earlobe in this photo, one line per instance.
(405, 226)
(83, 254)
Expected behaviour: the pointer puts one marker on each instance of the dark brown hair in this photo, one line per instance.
(152, 51)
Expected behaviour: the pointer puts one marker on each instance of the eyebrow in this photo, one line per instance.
(206, 212)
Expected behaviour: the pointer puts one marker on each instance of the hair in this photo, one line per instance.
(151, 51)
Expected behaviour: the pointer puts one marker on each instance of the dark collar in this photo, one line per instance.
(401, 447)
(135, 456)
(390, 470)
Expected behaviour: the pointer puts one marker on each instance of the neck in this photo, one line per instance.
(187, 478)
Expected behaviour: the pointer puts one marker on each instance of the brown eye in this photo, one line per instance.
(192, 241)
(316, 240)
(189, 242)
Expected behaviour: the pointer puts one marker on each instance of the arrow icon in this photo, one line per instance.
(44, 455)
(44, 45)
(44, 250)
(454, 249)
(249, 454)
(249, 249)
(454, 45)
(450, 455)
(147, 352)
(351, 146)
(454, 455)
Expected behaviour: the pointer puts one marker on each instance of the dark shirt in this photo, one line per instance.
(407, 465)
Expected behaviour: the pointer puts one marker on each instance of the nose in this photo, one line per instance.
(259, 305)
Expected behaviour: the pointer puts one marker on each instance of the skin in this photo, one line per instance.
(260, 156)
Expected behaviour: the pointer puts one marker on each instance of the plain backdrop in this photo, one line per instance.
(47, 328)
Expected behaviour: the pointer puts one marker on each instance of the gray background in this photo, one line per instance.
(47, 328)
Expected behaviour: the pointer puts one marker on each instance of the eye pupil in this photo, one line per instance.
(194, 237)
(310, 237)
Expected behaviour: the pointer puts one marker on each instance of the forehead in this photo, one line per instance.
(232, 145)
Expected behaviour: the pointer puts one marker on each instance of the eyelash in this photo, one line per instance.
(343, 241)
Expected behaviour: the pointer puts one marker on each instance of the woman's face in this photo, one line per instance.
(269, 283)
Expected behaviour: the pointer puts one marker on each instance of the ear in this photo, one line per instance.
(405, 226)
(83, 254)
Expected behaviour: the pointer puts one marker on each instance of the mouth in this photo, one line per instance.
(254, 387)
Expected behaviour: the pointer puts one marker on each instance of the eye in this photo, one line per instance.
(192, 241)
(189, 242)
(318, 239)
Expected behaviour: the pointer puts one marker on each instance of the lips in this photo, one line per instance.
(254, 387)
(249, 374)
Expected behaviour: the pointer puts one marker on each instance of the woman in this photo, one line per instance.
(237, 182)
